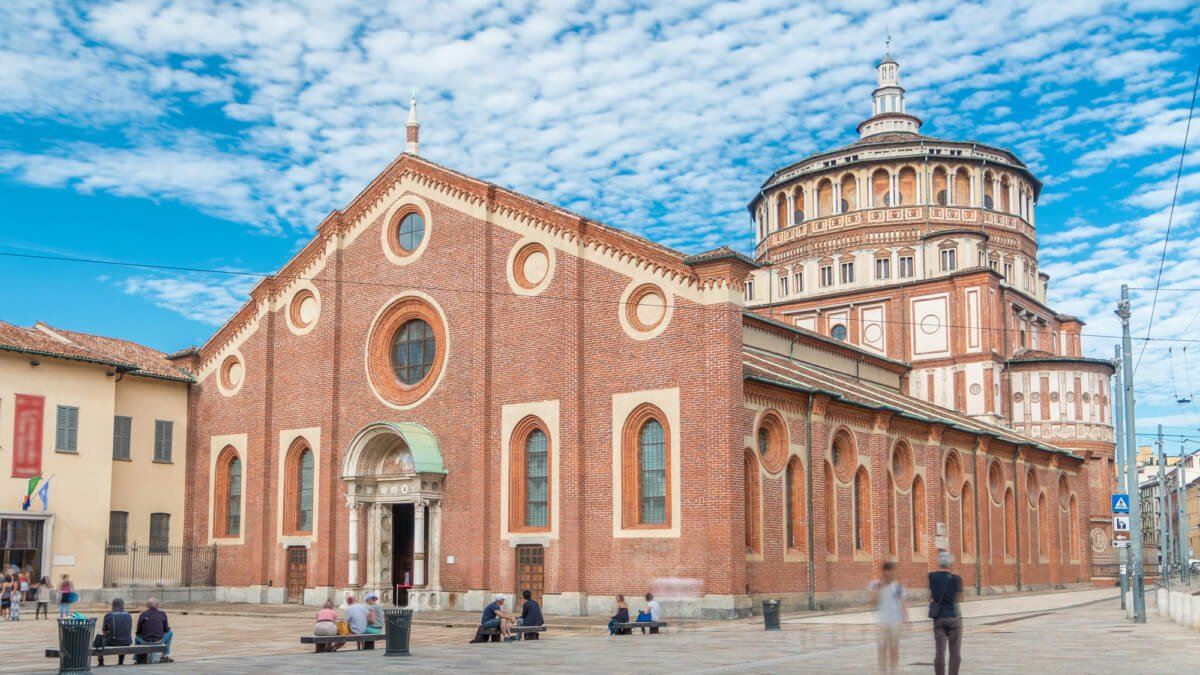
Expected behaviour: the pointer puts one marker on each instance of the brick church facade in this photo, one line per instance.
(456, 390)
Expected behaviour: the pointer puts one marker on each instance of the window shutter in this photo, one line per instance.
(60, 429)
(168, 429)
(73, 428)
(116, 441)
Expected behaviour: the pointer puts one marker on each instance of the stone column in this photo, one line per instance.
(352, 504)
(419, 542)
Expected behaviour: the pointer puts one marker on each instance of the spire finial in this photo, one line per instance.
(887, 45)
(413, 127)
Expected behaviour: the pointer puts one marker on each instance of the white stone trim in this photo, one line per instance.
(286, 438)
(215, 446)
(385, 229)
(622, 308)
(510, 416)
(544, 239)
(667, 400)
(366, 349)
(286, 307)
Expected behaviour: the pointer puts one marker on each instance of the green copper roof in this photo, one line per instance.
(427, 456)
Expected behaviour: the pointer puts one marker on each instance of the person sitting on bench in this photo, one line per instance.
(326, 624)
(152, 628)
(116, 630)
(531, 614)
(494, 616)
(374, 614)
(622, 616)
(356, 615)
(652, 613)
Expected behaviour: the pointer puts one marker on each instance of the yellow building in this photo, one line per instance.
(105, 422)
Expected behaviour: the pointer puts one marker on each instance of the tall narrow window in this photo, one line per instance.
(883, 268)
(847, 273)
(891, 515)
(122, 430)
(905, 267)
(918, 515)
(299, 467)
(968, 520)
(1073, 514)
(160, 532)
(826, 275)
(118, 531)
(304, 509)
(233, 499)
(862, 511)
(1010, 532)
(798, 280)
(783, 285)
(749, 290)
(66, 429)
(653, 464)
(752, 501)
(830, 516)
(163, 440)
(795, 504)
(537, 473)
(1043, 528)
(949, 259)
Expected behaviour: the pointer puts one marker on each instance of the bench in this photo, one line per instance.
(135, 650)
(493, 633)
(323, 642)
(627, 627)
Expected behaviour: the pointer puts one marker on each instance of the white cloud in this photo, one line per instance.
(209, 299)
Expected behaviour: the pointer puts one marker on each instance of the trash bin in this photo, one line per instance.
(397, 624)
(75, 645)
(771, 614)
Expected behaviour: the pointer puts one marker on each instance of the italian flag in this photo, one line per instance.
(29, 490)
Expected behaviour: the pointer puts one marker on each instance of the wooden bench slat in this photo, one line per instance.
(326, 639)
(53, 652)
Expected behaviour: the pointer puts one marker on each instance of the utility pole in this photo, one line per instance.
(1185, 552)
(1164, 544)
(1138, 579)
(1118, 455)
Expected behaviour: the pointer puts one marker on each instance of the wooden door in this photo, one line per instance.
(297, 573)
(531, 571)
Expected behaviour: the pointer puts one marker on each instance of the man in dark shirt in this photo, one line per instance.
(531, 614)
(945, 589)
(117, 629)
(152, 628)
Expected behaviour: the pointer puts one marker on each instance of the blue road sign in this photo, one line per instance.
(1120, 503)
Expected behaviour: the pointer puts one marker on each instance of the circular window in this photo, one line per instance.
(411, 232)
(996, 482)
(645, 311)
(531, 265)
(843, 456)
(952, 473)
(406, 350)
(772, 441)
(838, 332)
(902, 466)
(303, 310)
(231, 375)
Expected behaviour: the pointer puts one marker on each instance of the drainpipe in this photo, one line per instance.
(812, 575)
(1017, 515)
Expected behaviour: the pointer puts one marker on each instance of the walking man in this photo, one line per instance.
(887, 595)
(945, 590)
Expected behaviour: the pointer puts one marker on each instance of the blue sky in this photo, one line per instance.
(217, 137)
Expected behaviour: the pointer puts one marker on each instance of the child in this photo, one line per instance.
(66, 596)
(43, 598)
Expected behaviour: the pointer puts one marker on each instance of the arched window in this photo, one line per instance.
(798, 205)
(849, 193)
(529, 476)
(1010, 532)
(918, 515)
(298, 490)
(1043, 527)
(862, 511)
(907, 181)
(941, 195)
(968, 519)
(891, 515)
(781, 212)
(227, 497)
(989, 198)
(824, 198)
(1004, 205)
(794, 479)
(962, 188)
(646, 469)
(880, 188)
(753, 500)
(830, 515)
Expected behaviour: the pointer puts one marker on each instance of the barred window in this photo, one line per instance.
(160, 532)
(118, 531)
(233, 512)
(537, 479)
(652, 445)
(304, 511)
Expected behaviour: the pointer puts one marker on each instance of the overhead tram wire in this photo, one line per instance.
(477, 291)
(1170, 218)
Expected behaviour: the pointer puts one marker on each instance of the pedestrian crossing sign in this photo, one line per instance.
(1120, 503)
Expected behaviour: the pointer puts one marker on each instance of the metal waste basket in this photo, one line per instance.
(771, 614)
(397, 624)
(75, 645)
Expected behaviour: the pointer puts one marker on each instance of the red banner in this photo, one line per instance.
(27, 436)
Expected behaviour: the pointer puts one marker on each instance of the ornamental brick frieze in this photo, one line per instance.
(793, 404)
(859, 419)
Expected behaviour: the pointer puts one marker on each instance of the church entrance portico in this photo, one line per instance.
(395, 482)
